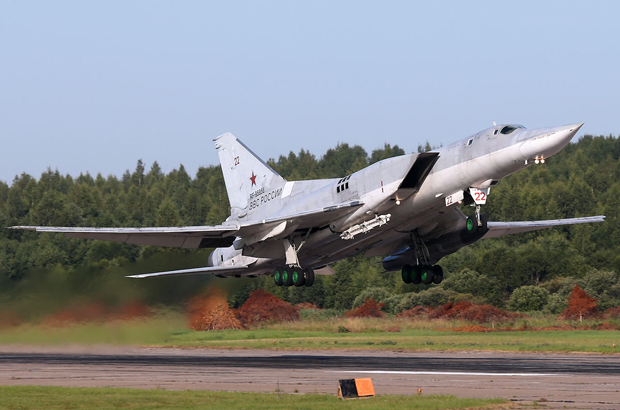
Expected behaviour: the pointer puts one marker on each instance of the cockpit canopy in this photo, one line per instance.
(508, 129)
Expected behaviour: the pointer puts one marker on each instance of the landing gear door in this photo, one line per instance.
(479, 195)
(455, 198)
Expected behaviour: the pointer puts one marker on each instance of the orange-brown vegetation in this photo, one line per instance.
(612, 313)
(262, 306)
(471, 328)
(487, 314)
(211, 312)
(450, 310)
(306, 306)
(580, 305)
(606, 326)
(9, 319)
(370, 308)
(461, 310)
(97, 312)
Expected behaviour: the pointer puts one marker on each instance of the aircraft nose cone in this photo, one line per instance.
(549, 141)
(574, 128)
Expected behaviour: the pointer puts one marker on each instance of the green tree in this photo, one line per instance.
(528, 299)
(168, 215)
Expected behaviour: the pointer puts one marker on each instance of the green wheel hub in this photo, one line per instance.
(295, 276)
(470, 225)
(424, 275)
(276, 276)
(284, 276)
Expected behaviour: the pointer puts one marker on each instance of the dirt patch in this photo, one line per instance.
(262, 307)
(370, 308)
(211, 312)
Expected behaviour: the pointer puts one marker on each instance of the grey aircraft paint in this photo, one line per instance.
(403, 207)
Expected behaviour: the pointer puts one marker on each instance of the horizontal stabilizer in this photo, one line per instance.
(214, 270)
(497, 229)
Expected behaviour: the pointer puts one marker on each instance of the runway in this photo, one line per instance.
(560, 381)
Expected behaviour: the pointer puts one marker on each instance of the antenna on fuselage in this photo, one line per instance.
(494, 124)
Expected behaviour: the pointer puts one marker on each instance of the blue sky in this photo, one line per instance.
(87, 87)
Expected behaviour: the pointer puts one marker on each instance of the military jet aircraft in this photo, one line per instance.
(405, 207)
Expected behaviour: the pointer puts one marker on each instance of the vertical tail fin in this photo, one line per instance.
(244, 172)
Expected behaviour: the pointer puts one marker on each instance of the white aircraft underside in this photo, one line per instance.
(404, 207)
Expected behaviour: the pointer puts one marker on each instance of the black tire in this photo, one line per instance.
(298, 277)
(277, 277)
(415, 274)
(483, 227)
(287, 276)
(426, 274)
(309, 274)
(437, 274)
(471, 225)
(406, 274)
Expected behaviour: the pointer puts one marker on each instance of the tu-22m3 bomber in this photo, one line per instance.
(403, 208)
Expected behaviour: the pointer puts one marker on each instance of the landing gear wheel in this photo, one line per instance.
(437, 274)
(471, 225)
(426, 274)
(309, 274)
(415, 274)
(298, 277)
(277, 277)
(406, 274)
(287, 277)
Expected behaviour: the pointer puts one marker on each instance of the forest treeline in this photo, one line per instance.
(531, 271)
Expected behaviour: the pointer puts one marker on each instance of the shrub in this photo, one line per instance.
(596, 282)
(528, 298)
(471, 282)
(580, 305)
(377, 294)
(430, 297)
(391, 303)
(556, 303)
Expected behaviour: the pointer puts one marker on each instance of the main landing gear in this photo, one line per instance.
(422, 274)
(293, 276)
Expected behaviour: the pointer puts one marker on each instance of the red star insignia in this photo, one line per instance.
(253, 179)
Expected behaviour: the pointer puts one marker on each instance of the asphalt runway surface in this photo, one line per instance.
(555, 380)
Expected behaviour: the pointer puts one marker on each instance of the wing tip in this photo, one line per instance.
(23, 227)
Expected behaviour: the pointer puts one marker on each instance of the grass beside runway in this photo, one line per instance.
(593, 341)
(334, 334)
(76, 398)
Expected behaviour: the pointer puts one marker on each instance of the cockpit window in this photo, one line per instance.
(508, 129)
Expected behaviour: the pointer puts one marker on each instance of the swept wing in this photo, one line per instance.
(201, 236)
(497, 229)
